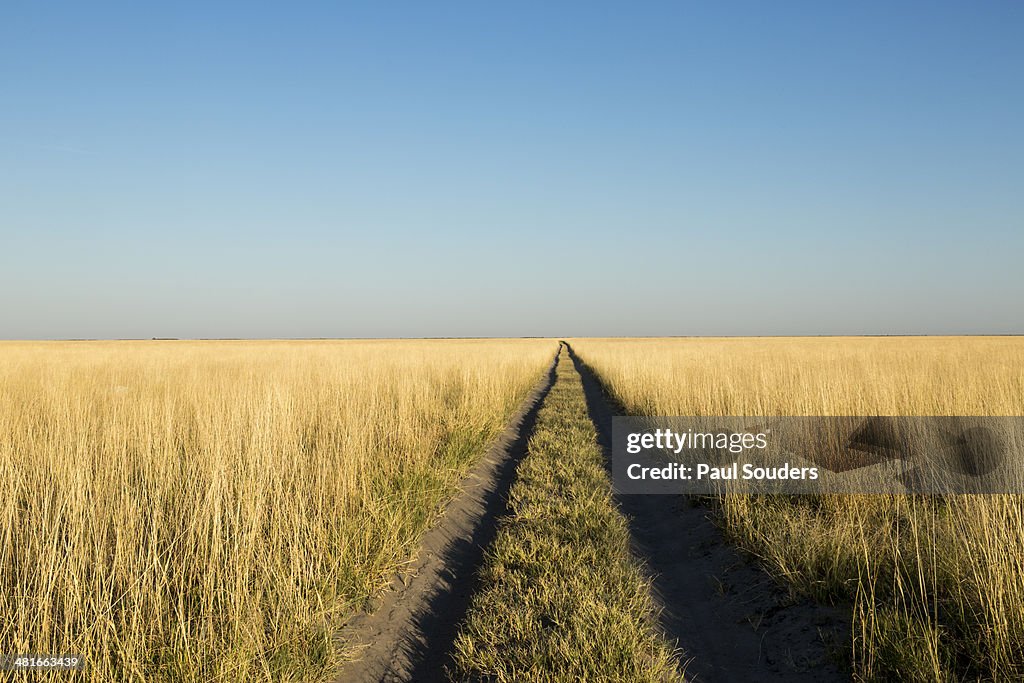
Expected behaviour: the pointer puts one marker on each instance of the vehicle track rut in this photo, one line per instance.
(409, 636)
(730, 618)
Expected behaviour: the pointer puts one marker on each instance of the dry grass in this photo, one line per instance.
(561, 596)
(937, 585)
(207, 510)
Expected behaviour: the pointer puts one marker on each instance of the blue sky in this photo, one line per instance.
(459, 169)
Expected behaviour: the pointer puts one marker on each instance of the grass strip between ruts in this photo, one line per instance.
(561, 596)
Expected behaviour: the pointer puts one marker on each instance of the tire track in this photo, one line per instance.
(732, 621)
(409, 637)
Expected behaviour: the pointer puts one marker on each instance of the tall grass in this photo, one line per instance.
(209, 510)
(937, 584)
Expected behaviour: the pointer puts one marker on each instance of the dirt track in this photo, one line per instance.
(409, 636)
(731, 621)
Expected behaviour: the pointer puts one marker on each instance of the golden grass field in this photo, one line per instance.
(208, 510)
(213, 510)
(937, 584)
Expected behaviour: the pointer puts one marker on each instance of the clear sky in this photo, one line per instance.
(251, 169)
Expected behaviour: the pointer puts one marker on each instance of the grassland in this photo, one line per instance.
(937, 584)
(209, 510)
(562, 597)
